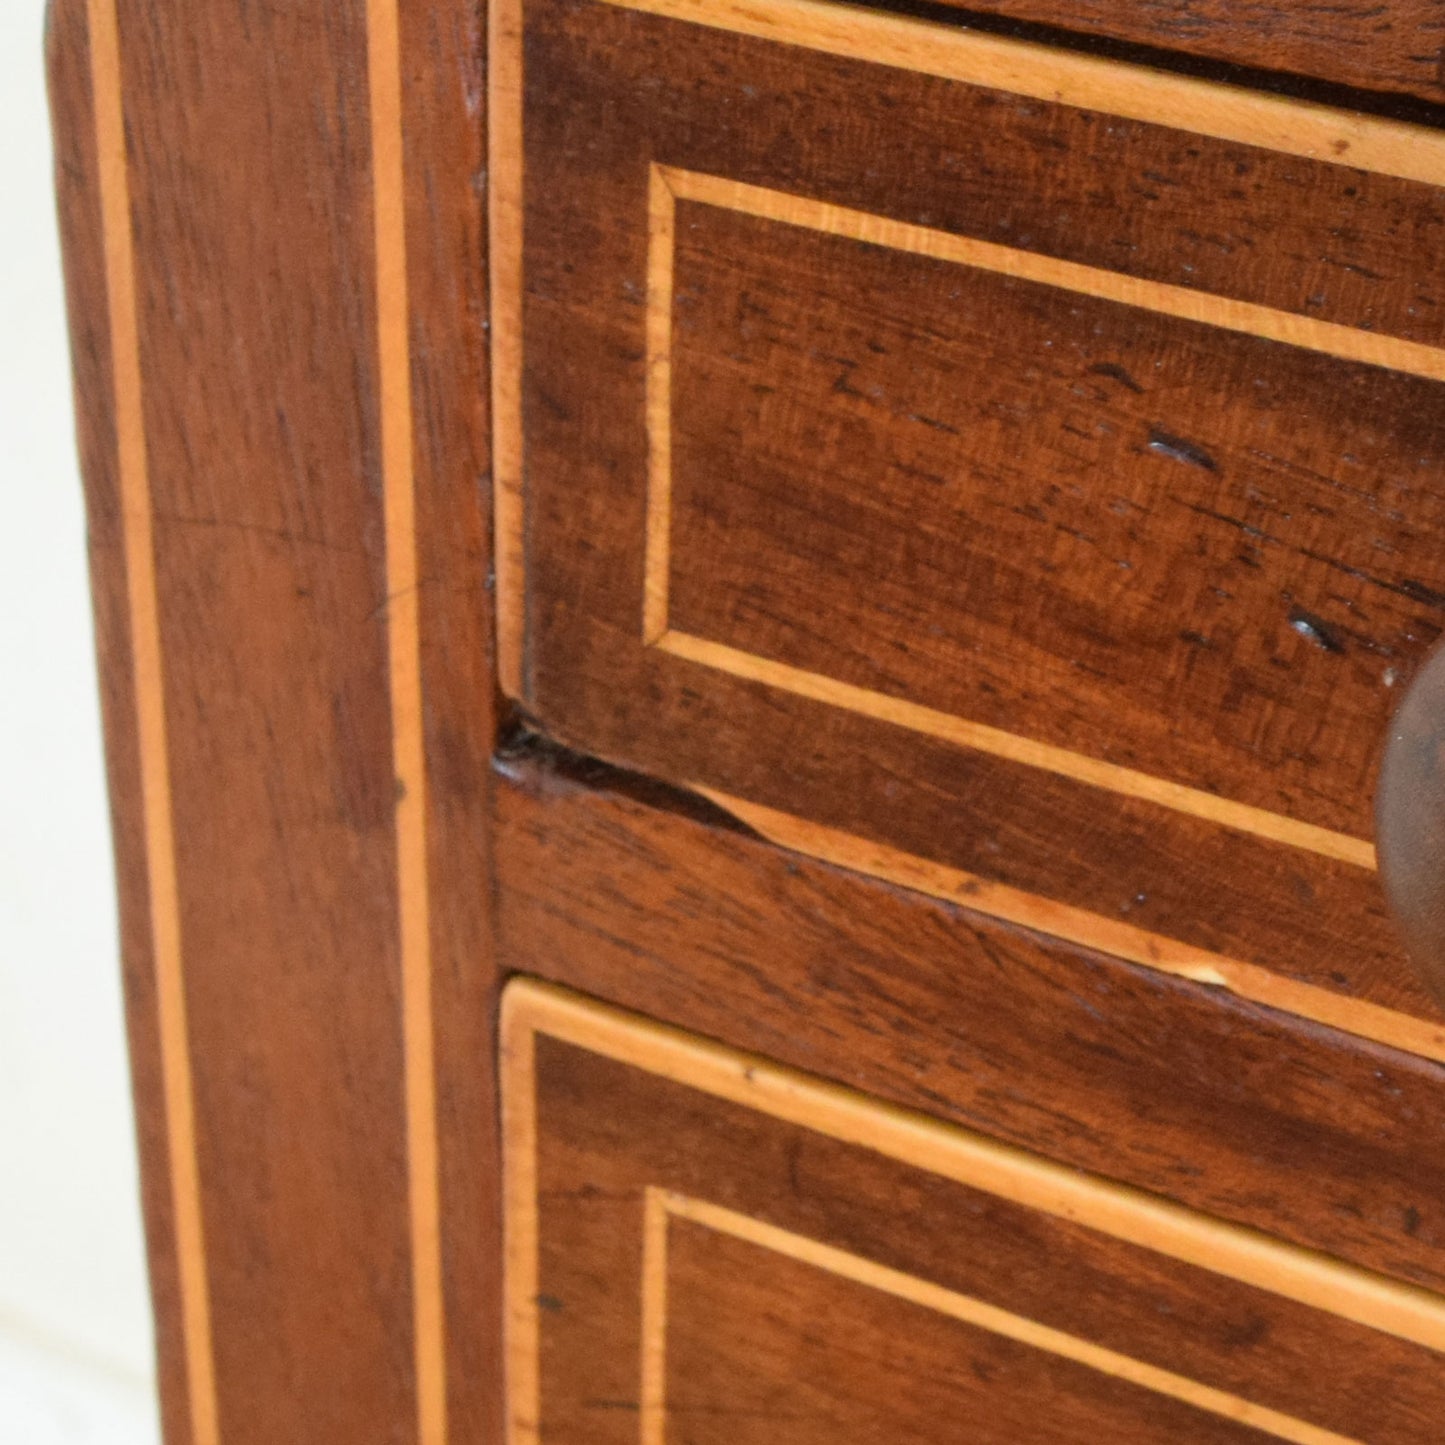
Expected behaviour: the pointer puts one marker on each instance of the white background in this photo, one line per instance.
(75, 1338)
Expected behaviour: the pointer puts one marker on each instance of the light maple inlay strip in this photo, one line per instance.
(504, 238)
(1092, 930)
(531, 1008)
(661, 1205)
(1223, 112)
(408, 736)
(657, 544)
(149, 680)
(652, 1393)
(517, 1063)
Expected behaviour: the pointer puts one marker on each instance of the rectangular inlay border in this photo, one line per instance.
(668, 185)
(661, 1206)
(530, 1008)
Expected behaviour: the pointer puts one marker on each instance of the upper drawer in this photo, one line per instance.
(1008, 472)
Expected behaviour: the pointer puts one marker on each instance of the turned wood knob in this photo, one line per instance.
(1410, 821)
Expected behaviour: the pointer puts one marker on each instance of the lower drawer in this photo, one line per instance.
(704, 1247)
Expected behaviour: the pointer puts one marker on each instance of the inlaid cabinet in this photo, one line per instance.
(748, 649)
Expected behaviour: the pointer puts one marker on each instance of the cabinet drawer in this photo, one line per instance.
(1003, 471)
(704, 1247)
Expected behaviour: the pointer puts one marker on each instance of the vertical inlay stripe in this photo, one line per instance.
(504, 240)
(178, 1097)
(408, 739)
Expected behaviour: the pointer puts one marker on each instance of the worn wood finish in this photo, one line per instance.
(742, 1250)
(276, 277)
(1164, 459)
(1169, 1085)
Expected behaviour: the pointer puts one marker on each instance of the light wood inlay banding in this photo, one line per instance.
(660, 1206)
(147, 661)
(1348, 343)
(405, 686)
(960, 731)
(657, 1208)
(669, 185)
(1236, 1253)
(1022, 68)
(504, 227)
(517, 1062)
(408, 737)
(661, 241)
(1223, 112)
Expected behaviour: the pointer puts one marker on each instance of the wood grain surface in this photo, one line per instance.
(945, 487)
(780, 1255)
(278, 274)
(1052, 504)
(276, 270)
(1167, 1085)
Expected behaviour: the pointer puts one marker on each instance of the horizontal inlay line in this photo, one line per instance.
(969, 1310)
(1020, 67)
(955, 1153)
(1091, 930)
(1017, 749)
(1345, 342)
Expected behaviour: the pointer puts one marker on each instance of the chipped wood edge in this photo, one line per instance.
(1250, 981)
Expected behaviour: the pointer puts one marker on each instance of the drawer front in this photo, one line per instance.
(1008, 472)
(703, 1247)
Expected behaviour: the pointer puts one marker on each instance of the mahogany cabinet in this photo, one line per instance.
(746, 648)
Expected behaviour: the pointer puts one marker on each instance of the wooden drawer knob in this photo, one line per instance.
(1410, 821)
